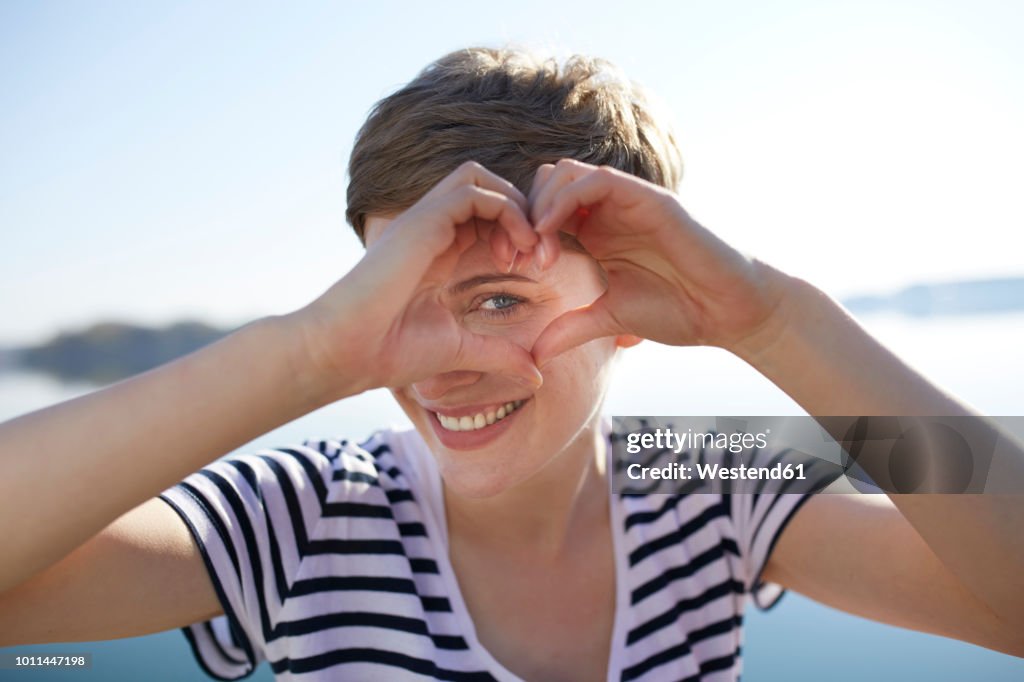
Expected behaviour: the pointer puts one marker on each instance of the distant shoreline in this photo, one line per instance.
(110, 351)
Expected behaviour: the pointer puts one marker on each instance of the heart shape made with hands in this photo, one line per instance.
(668, 278)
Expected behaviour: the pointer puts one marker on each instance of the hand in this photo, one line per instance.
(385, 323)
(669, 279)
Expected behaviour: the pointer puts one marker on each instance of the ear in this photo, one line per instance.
(627, 340)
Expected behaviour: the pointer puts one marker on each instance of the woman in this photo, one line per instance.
(520, 227)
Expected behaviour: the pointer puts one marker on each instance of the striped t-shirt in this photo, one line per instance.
(330, 561)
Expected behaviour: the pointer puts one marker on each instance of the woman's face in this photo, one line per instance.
(481, 446)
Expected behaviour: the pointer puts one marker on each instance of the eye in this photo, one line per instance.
(500, 305)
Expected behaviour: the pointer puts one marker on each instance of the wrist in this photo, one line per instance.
(296, 336)
(758, 347)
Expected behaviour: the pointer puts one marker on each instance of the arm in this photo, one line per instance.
(104, 589)
(857, 553)
(965, 549)
(672, 280)
(72, 468)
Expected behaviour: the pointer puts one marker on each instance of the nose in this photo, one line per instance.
(436, 386)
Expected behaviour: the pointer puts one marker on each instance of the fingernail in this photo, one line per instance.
(534, 381)
(542, 254)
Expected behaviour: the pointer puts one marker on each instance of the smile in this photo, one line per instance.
(479, 420)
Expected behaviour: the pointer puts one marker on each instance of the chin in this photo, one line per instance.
(482, 473)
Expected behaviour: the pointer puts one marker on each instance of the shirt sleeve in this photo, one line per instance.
(250, 516)
(759, 517)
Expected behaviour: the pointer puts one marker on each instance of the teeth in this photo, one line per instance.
(478, 421)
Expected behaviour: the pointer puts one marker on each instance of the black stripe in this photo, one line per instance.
(354, 547)
(424, 566)
(396, 495)
(198, 653)
(684, 648)
(715, 629)
(275, 551)
(353, 582)
(388, 658)
(379, 450)
(757, 582)
(218, 525)
(775, 499)
(291, 499)
(368, 619)
(313, 474)
(729, 586)
(438, 604)
(412, 529)
(357, 509)
(228, 492)
(207, 626)
(233, 620)
(355, 476)
(660, 658)
(715, 665)
(369, 584)
(679, 572)
(637, 518)
(676, 536)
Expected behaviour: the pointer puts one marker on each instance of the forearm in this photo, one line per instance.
(72, 468)
(821, 357)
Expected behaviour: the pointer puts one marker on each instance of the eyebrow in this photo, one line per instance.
(467, 284)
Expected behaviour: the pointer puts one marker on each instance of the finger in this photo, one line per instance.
(471, 201)
(498, 355)
(473, 173)
(563, 211)
(540, 178)
(566, 172)
(502, 251)
(466, 235)
(560, 175)
(575, 328)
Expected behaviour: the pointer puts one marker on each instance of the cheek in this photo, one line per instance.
(408, 405)
(522, 329)
(580, 375)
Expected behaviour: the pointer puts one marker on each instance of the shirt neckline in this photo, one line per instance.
(437, 524)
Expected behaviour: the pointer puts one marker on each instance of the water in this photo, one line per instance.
(976, 358)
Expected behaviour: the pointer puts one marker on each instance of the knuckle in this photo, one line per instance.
(466, 192)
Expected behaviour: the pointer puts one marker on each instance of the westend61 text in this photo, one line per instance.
(667, 439)
(715, 472)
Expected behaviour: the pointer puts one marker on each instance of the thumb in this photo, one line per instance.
(498, 355)
(574, 328)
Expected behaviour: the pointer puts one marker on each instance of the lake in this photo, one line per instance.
(977, 358)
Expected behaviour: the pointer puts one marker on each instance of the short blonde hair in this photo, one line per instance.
(510, 111)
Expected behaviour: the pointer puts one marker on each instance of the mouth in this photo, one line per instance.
(473, 427)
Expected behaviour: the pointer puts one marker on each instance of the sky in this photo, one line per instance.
(163, 161)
